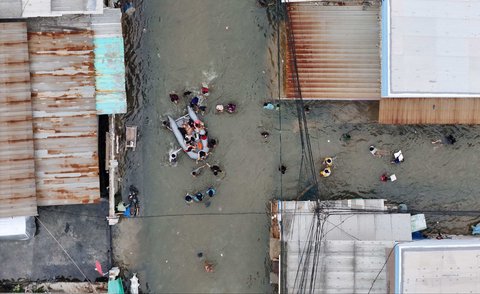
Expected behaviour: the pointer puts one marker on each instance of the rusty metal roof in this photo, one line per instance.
(429, 111)
(17, 168)
(64, 116)
(336, 49)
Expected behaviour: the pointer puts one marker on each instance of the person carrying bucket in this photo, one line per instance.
(326, 172)
(328, 161)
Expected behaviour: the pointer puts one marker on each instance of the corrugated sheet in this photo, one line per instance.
(429, 111)
(77, 6)
(37, 8)
(336, 49)
(109, 62)
(46, 8)
(65, 122)
(17, 168)
(10, 8)
(353, 248)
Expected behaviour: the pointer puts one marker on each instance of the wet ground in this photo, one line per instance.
(177, 45)
(80, 229)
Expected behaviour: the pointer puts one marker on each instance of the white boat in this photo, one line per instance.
(200, 138)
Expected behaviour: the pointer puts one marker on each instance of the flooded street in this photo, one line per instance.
(229, 44)
(180, 45)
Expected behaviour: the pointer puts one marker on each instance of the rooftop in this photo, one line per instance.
(17, 168)
(438, 266)
(47, 8)
(345, 246)
(430, 48)
(334, 49)
(64, 117)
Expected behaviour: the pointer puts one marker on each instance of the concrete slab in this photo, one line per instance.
(81, 229)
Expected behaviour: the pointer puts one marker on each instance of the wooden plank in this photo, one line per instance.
(131, 137)
(429, 111)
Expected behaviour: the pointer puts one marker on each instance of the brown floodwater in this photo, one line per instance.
(177, 45)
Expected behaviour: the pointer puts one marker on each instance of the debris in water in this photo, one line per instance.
(209, 266)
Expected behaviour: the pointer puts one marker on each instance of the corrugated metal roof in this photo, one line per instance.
(10, 8)
(353, 249)
(37, 8)
(65, 122)
(46, 8)
(343, 267)
(17, 168)
(429, 111)
(77, 6)
(337, 51)
(109, 62)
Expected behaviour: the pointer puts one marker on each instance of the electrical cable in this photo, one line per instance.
(277, 11)
(383, 266)
(331, 211)
(302, 120)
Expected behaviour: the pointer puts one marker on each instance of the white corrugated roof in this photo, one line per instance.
(45, 8)
(352, 251)
(17, 166)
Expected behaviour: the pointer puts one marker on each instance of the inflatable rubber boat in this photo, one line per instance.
(198, 139)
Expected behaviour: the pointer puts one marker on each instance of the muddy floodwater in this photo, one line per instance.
(229, 44)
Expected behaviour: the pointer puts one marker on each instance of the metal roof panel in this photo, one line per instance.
(109, 62)
(336, 50)
(17, 168)
(64, 116)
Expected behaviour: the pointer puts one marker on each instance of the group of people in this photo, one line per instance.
(397, 158)
(398, 155)
(327, 167)
(229, 108)
(215, 169)
(194, 132)
(199, 196)
(197, 102)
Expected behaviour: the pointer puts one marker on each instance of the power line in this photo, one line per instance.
(383, 266)
(279, 80)
(330, 210)
(307, 153)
